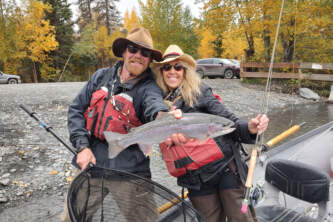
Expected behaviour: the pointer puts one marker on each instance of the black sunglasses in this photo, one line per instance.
(176, 66)
(134, 49)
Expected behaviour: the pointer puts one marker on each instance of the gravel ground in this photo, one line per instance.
(35, 168)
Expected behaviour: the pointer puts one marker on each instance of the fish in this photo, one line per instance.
(195, 125)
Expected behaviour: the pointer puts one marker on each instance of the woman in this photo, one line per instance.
(212, 171)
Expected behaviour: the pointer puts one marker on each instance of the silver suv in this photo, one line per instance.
(217, 67)
(9, 79)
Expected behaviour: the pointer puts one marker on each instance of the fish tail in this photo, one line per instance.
(114, 147)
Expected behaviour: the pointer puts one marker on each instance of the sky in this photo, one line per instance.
(129, 4)
(123, 5)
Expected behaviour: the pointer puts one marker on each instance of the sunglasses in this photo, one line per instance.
(134, 49)
(176, 66)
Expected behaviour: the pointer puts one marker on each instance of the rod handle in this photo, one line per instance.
(27, 109)
(283, 135)
(171, 203)
(252, 166)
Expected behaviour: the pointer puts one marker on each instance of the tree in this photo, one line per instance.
(205, 49)
(60, 17)
(131, 21)
(107, 14)
(169, 23)
(85, 13)
(36, 35)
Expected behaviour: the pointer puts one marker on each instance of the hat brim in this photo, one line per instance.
(185, 58)
(119, 45)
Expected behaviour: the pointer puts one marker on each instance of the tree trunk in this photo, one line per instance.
(34, 73)
(107, 17)
(267, 46)
(288, 48)
(250, 51)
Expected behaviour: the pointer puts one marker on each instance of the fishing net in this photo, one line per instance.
(99, 194)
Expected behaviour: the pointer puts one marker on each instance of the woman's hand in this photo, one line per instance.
(175, 138)
(258, 124)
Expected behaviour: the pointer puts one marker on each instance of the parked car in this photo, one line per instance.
(217, 67)
(9, 79)
(235, 61)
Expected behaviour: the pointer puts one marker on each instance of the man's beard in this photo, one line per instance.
(135, 69)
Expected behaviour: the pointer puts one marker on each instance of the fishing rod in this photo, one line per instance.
(255, 150)
(49, 129)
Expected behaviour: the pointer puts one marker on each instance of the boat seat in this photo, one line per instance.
(296, 179)
(280, 214)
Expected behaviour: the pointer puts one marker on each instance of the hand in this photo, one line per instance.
(176, 138)
(177, 113)
(84, 157)
(258, 124)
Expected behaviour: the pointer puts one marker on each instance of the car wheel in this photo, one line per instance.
(12, 81)
(201, 74)
(228, 74)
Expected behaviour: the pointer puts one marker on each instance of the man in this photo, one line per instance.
(133, 99)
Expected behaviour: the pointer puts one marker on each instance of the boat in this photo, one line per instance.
(295, 178)
(292, 181)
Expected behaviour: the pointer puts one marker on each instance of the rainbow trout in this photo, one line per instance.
(197, 125)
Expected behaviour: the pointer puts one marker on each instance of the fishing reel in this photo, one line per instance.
(255, 195)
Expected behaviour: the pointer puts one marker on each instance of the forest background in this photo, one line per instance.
(38, 40)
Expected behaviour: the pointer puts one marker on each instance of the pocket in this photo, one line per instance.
(91, 116)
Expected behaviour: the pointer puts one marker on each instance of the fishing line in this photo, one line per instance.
(264, 106)
(292, 116)
(264, 109)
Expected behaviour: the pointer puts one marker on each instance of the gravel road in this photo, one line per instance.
(35, 168)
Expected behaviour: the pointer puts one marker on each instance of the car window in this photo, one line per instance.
(217, 61)
(203, 61)
(227, 61)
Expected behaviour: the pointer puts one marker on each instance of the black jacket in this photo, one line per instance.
(147, 102)
(229, 144)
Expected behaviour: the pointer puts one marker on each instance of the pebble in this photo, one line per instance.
(5, 181)
(6, 175)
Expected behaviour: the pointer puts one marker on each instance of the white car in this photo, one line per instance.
(9, 79)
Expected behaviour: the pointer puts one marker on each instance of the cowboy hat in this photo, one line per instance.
(138, 36)
(174, 52)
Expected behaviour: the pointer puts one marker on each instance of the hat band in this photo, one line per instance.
(142, 44)
(171, 55)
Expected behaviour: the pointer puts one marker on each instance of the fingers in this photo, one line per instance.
(179, 138)
(258, 124)
(177, 113)
(263, 124)
(176, 139)
(168, 142)
(85, 157)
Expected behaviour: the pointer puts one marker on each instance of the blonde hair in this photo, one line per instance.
(190, 89)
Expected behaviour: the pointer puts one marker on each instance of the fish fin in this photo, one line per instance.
(222, 132)
(114, 148)
(146, 149)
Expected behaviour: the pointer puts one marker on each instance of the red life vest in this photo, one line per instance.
(192, 155)
(115, 114)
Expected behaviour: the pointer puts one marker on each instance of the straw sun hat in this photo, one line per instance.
(174, 52)
(138, 36)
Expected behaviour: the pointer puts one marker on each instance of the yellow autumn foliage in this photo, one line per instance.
(131, 20)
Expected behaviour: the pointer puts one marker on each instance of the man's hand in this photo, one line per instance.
(84, 157)
(258, 124)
